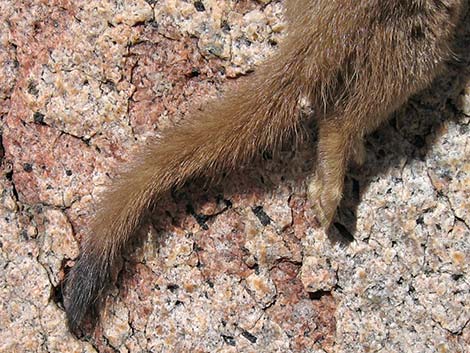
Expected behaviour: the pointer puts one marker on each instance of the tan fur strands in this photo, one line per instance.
(355, 61)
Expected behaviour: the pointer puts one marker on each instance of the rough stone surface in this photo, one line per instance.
(238, 266)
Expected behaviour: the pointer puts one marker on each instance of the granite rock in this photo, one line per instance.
(237, 266)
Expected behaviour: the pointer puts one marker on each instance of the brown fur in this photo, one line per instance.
(355, 61)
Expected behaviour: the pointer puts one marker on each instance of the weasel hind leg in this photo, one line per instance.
(336, 146)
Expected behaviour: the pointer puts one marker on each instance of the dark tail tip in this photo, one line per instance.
(85, 286)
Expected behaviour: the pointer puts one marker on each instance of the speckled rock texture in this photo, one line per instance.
(238, 266)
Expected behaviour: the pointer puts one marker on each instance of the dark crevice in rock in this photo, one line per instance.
(249, 336)
(230, 340)
(318, 294)
(202, 219)
(262, 215)
(57, 295)
(9, 176)
(344, 232)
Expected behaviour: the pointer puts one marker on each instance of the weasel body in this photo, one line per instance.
(354, 61)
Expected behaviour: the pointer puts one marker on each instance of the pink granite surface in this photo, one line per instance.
(233, 267)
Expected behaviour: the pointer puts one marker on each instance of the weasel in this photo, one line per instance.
(354, 61)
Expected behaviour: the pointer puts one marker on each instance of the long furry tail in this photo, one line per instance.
(227, 132)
